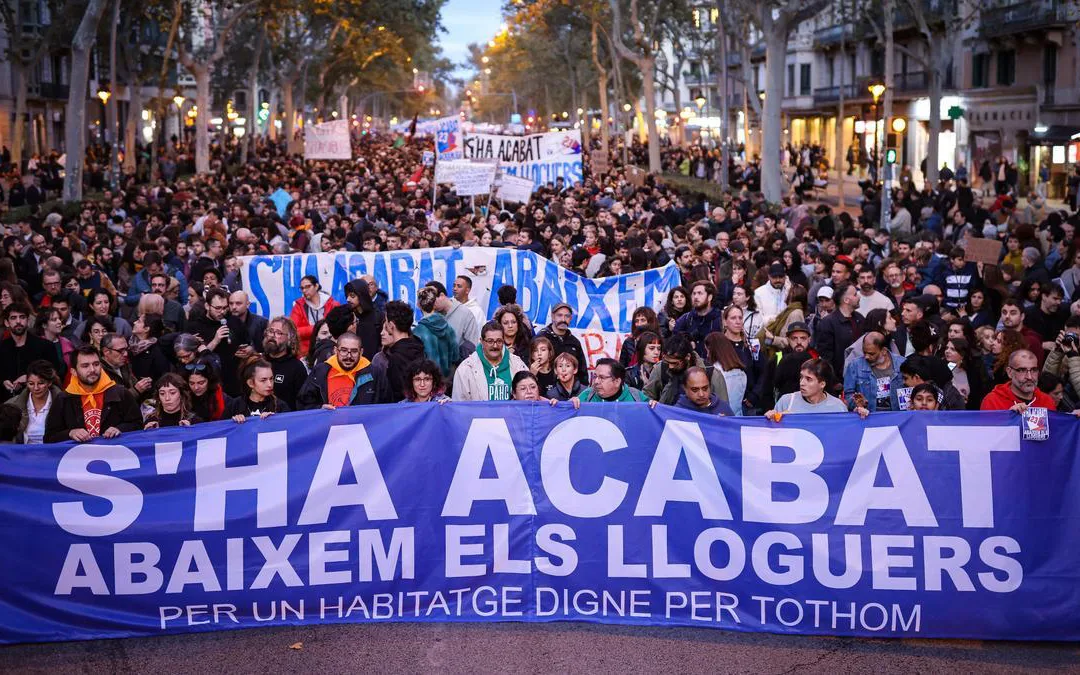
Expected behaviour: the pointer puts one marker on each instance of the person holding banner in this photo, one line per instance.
(424, 383)
(609, 386)
(172, 404)
(488, 373)
(343, 379)
(812, 397)
(566, 386)
(257, 377)
(93, 405)
(558, 331)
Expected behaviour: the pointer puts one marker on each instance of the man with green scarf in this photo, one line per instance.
(487, 373)
(609, 386)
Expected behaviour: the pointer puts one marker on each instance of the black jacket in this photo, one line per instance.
(243, 406)
(314, 392)
(568, 344)
(151, 362)
(254, 326)
(400, 355)
(833, 335)
(119, 410)
(14, 360)
(289, 376)
(206, 328)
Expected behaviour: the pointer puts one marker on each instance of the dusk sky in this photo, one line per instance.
(468, 21)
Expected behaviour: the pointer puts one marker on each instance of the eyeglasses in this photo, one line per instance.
(195, 367)
(602, 378)
(423, 378)
(122, 350)
(492, 341)
(1024, 371)
(348, 352)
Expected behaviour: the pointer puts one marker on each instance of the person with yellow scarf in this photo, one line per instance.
(343, 379)
(93, 404)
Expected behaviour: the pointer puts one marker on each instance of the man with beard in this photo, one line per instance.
(92, 406)
(21, 348)
(487, 374)
(1012, 316)
(893, 275)
(279, 344)
(116, 363)
(665, 382)
(1020, 391)
(343, 379)
(781, 374)
(558, 331)
(703, 317)
(254, 326)
(869, 297)
(221, 333)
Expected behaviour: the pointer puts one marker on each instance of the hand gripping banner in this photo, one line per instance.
(903, 525)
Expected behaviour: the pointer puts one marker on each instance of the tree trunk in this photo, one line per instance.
(886, 116)
(75, 133)
(290, 112)
(602, 82)
(131, 129)
(19, 72)
(772, 180)
(725, 113)
(840, 109)
(649, 85)
(202, 130)
(933, 162)
(271, 126)
(112, 117)
(253, 99)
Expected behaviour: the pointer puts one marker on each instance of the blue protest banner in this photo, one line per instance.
(603, 308)
(906, 524)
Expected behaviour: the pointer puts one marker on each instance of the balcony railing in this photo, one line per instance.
(1023, 16)
(832, 94)
(49, 90)
(911, 82)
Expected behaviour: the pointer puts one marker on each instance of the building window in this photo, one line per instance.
(804, 79)
(1006, 67)
(791, 79)
(980, 70)
(1050, 54)
(832, 70)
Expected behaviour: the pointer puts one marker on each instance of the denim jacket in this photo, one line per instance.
(859, 378)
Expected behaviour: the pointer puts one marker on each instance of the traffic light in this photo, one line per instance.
(890, 156)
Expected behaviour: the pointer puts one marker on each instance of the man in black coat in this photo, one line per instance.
(21, 348)
(279, 347)
(221, 333)
(400, 348)
(558, 331)
(781, 374)
(92, 405)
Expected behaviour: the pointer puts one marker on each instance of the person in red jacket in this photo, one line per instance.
(310, 308)
(1020, 391)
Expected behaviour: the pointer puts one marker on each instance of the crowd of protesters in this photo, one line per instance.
(132, 314)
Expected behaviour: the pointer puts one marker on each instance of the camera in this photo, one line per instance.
(1070, 340)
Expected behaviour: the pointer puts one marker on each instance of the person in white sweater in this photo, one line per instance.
(488, 373)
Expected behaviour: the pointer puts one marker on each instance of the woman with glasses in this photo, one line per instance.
(172, 404)
(94, 329)
(424, 383)
(309, 308)
(208, 401)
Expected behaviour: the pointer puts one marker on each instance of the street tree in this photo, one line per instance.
(75, 134)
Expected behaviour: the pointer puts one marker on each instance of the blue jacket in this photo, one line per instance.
(140, 285)
(859, 378)
(717, 406)
(697, 327)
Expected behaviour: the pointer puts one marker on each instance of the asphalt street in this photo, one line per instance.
(559, 647)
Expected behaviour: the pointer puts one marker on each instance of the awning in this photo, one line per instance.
(1054, 135)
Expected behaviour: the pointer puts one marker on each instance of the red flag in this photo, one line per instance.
(414, 179)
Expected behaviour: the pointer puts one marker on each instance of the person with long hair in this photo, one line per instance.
(542, 361)
(723, 357)
(424, 383)
(649, 349)
(752, 319)
(1006, 341)
(643, 320)
(309, 308)
(967, 371)
(172, 404)
(50, 326)
(257, 378)
(147, 354)
(35, 401)
(771, 337)
(677, 304)
(977, 310)
(94, 329)
(525, 387)
(734, 324)
(208, 400)
(515, 334)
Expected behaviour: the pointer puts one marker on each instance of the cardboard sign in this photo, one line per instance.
(513, 188)
(980, 250)
(329, 140)
(599, 163)
(635, 176)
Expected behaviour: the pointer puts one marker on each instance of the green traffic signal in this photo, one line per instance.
(890, 156)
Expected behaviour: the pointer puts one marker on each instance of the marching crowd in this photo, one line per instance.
(131, 314)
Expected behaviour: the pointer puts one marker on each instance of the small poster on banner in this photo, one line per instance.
(903, 397)
(428, 158)
(1036, 424)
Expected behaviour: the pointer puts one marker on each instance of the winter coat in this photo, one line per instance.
(470, 380)
(715, 407)
(568, 344)
(314, 393)
(440, 341)
(859, 378)
(696, 327)
(119, 409)
(301, 316)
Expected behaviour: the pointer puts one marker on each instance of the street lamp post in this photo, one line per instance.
(108, 135)
(626, 135)
(179, 101)
(876, 90)
(700, 102)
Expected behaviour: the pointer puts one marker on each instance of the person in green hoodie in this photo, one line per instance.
(609, 386)
(488, 373)
(440, 340)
